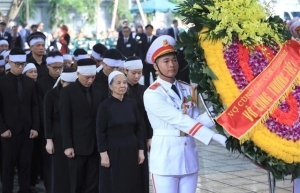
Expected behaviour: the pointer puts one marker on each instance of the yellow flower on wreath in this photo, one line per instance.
(246, 18)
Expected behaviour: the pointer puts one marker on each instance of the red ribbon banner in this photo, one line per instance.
(263, 92)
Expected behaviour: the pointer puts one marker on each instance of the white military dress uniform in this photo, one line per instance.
(176, 121)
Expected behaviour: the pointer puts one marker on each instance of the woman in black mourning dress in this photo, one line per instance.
(133, 70)
(120, 140)
(59, 169)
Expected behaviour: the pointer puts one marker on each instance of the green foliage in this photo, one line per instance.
(123, 12)
(201, 74)
(22, 12)
(59, 10)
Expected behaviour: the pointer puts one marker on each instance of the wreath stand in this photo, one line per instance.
(272, 183)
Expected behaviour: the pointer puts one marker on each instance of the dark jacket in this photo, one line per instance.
(16, 115)
(78, 118)
(127, 49)
(16, 41)
(42, 68)
(7, 37)
(141, 45)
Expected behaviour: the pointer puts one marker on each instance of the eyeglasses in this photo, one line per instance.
(18, 64)
(56, 68)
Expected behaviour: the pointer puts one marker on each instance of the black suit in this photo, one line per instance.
(18, 116)
(6, 36)
(148, 68)
(78, 124)
(127, 49)
(141, 45)
(16, 41)
(102, 79)
(40, 157)
(171, 32)
(42, 68)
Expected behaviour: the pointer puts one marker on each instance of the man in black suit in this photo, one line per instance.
(173, 30)
(19, 122)
(124, 24)
(78, 108)
(5, 35)
(54, 62)
(36, 42)
(148, 68)
(126, 45)
(16, 39)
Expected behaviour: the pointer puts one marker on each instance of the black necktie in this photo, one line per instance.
(126, 40)
(175, 90)
(20, 88)
(149, 40)
(88, 96)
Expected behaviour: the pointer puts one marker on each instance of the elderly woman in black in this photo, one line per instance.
(120, 140)
(59, 180)
(133, 69)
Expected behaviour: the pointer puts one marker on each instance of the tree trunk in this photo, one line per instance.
(14, 9)
(97, 21)
(141, 12)
(113, 22)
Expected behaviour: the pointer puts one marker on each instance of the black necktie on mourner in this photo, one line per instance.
(149, 40)
(175, 90)
(20, 88)
(88, 96)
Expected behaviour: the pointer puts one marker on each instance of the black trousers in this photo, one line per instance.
(84, 173)
(36, 162)
(147, 70)
(17, 152)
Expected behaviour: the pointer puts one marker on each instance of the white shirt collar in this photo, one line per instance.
(165, 84)
(150, 36)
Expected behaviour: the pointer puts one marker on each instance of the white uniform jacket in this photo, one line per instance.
(172, 154)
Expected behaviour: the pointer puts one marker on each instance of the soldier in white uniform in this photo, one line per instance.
(176, 121)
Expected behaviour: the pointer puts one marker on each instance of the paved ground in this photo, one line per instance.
(222, 172)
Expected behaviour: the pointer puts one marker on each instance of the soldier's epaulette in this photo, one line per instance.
(183, 82)
(154, 86)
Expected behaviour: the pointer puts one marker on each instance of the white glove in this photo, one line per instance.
(220, 139)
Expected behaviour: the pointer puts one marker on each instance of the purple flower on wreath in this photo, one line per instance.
(231, 57)
(258, 62)
(284, 131)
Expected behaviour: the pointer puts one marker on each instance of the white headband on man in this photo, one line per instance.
(51, 60)
(7, 66)
(133, 64)
(2, 62)
(18, 58)
(96, 55)
(113, 62)
(89, 70)
(114, 74)
(35, 40)
(99, 68)
(27, 67)
(5, 53)
(67, 77)
(79, 57)
(3, 42)
(67, 57)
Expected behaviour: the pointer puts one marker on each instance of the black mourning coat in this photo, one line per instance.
(16, 115)
(78, 118)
